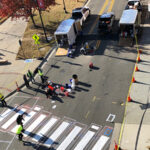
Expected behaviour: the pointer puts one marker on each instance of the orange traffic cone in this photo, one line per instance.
(129, 98)
(133, 79)
(136, 68)
(140, 51)
(18, 89)
(138, 59)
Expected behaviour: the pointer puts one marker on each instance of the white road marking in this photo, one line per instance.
(84, 141)
(48, 126)
(111, 117)
(6, 113)
(56, 134)
(34, 125)
(100, 143)
(13, 119)
(53, 107)
(37, 108)
(94, 127)
(69, 138)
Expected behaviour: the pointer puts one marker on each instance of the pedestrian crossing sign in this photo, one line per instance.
(36, 38)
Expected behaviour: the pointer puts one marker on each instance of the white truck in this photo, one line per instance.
(66, 33)
(81, 14)
(129, 26)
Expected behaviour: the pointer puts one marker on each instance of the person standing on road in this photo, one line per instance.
(20, 119)
(26, 81)
(2, 99)
(41, 74)
(30, 75)
(19, 132)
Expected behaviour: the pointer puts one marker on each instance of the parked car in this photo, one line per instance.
(106, 21)
(134, 4)
(81, 14)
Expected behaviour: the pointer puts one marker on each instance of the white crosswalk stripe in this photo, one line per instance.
(6, 113)
(87, 137)
(62, 134)
(34, 124)
(69, 138)
(56, 134)
(47, 127)
(100, 143)
(26, 119)
(13, 119)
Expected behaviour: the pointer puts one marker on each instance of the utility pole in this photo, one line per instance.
(42, 21)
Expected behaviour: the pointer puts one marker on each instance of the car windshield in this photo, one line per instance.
(132, 3)
(105, 19)
(76, 15)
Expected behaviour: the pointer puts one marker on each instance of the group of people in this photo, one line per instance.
(30, 76)
(52, 89)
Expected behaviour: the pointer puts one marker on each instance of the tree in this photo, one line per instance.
(22, 8)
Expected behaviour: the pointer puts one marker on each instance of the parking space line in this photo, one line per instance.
(94, 98)
(87, 114)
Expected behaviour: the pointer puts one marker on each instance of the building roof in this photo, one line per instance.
(64, 26)
(128, 16)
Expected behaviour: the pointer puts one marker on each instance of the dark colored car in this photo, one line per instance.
(106, 21)
(134, 4)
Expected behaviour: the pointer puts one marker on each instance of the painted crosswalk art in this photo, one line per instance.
(48, 130)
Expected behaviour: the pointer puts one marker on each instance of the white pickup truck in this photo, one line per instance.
(81, 13)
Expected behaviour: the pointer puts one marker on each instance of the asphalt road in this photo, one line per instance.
(100, 92)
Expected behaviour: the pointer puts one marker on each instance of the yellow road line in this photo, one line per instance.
(98, 44)
(103, 8)
(111, 5)
(101, 11)
(87, 114)
(94, 98)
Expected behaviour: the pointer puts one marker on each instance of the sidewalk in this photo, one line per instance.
(136, 131)
(137, 125)
(10, 33)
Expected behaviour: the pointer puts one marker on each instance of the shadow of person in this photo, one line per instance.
(57, 99)
(84, 84)
(95, 68)
(81, 89)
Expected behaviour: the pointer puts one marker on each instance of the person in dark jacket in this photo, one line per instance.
(40, 72)
(30, 76)
(20, 119)
(26, 81)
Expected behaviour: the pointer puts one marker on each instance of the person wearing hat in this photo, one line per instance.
(20, 119)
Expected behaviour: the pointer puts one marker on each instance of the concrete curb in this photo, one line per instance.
(40, 65)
